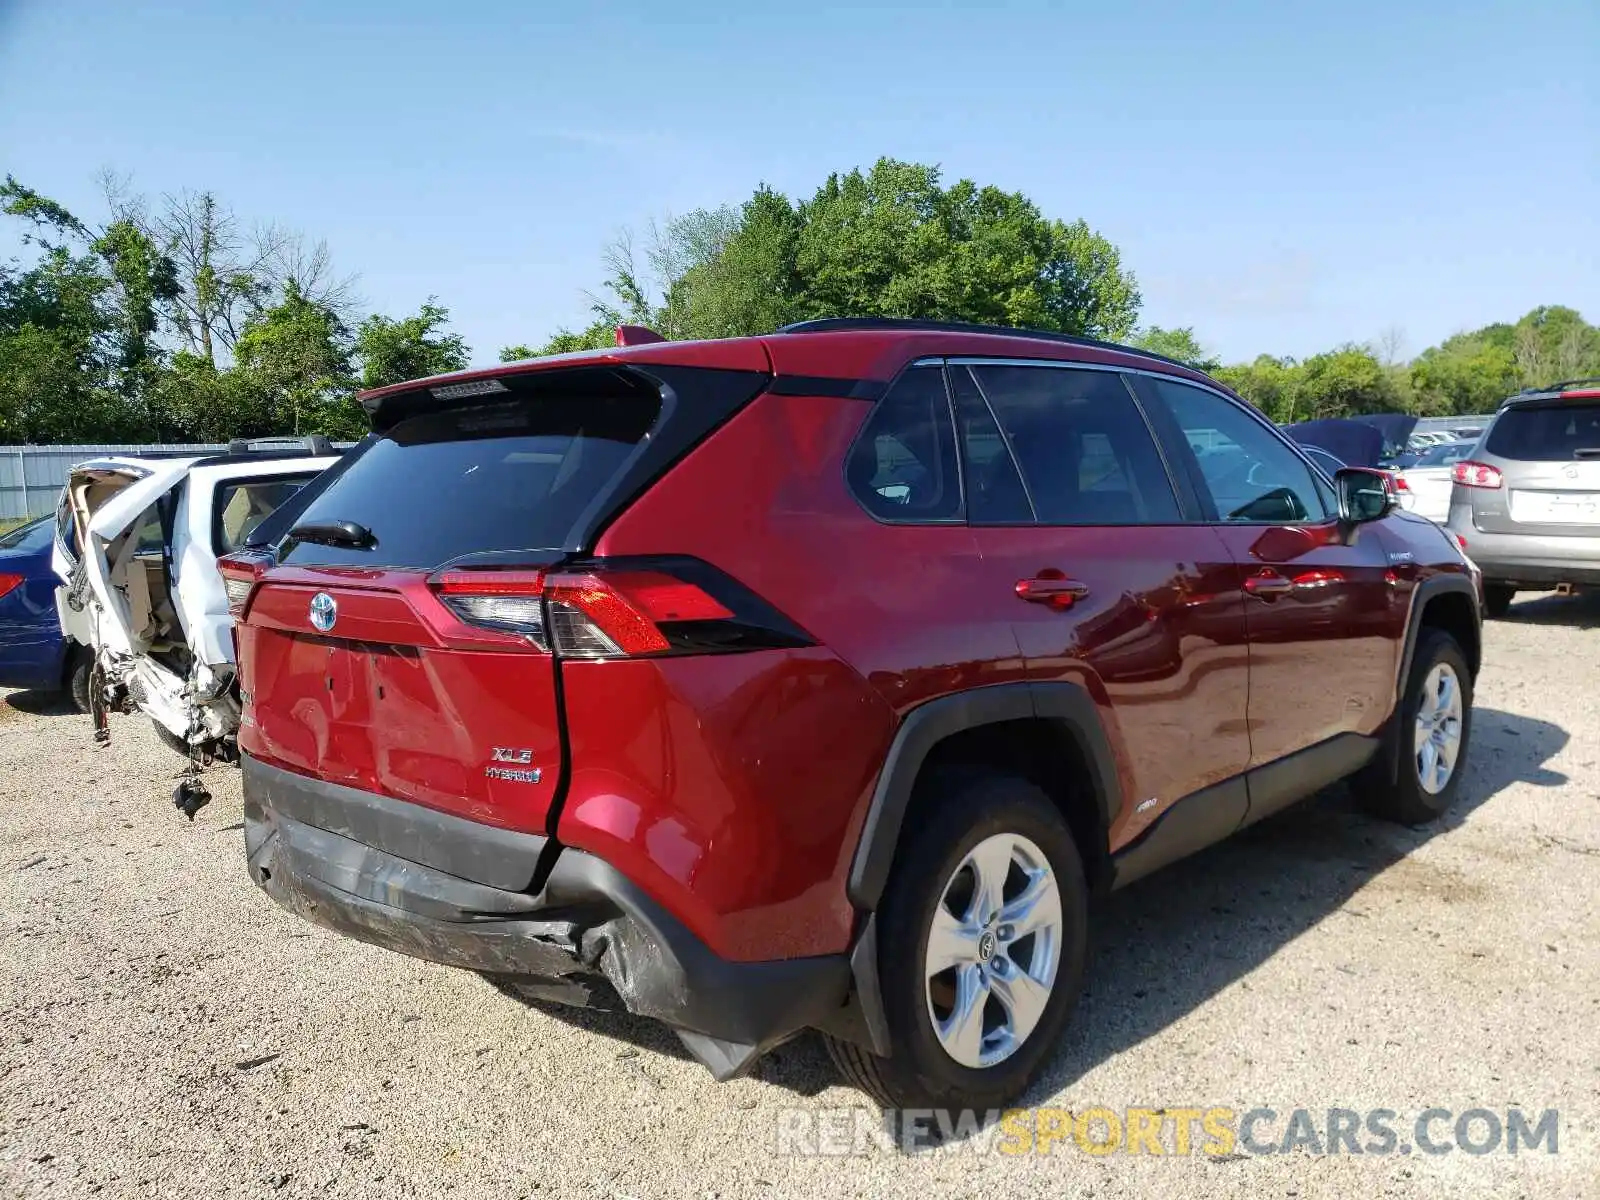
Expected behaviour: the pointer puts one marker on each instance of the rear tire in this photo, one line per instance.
(1497, 598)
(983, 848)
(79, 667)
(1421, 791)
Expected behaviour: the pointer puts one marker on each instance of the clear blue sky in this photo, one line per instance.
(1281, 176)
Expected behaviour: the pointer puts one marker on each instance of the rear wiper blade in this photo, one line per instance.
(334, 533)
(1587, 452)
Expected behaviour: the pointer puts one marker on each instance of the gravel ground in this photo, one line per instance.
(167, 1031)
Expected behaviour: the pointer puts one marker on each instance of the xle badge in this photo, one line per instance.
(512, 754)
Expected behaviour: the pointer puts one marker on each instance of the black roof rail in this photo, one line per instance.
(914, 324)
(1567, 383)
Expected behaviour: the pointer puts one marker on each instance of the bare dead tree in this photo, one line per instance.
(1570, 353)
(1528, 351)
(289, 257)
(1391, 346)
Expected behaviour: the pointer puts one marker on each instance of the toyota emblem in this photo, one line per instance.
(324, 611)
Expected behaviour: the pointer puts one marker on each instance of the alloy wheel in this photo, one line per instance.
(993, 950)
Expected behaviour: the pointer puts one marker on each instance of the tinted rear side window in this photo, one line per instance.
(485, 479)
(1086, 454)
(1548, 433)
(903, 464)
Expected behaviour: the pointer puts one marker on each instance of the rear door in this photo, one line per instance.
(401, 644)
(1108, 582)
(1548, 453)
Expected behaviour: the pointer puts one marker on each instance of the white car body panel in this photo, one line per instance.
(1430, 488)
(199, 708)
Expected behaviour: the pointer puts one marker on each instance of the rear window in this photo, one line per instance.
(1556, 432)
(1445, 455)
(485, 479)
(32, 536)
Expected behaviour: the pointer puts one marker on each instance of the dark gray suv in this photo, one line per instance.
(1527, 503)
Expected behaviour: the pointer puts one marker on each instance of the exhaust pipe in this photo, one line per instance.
(1566, 589)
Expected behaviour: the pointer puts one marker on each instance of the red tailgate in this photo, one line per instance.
(400, 697)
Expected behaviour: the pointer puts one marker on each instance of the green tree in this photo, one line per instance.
(891, 241)
(79, 325)
(295, 359)
(1268, 383)
(1465, 374)
(1553, 343)
(410, 348)
(1346, 382)
(1178, 344)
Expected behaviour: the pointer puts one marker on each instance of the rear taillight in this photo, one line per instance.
(241, 571)
(9, 583)
(1476, 474)
(510, 601)
(618, 610)
(1400, 484)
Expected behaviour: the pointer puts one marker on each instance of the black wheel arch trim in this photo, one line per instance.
(1425, 592)
(931, 723)
(919, 733)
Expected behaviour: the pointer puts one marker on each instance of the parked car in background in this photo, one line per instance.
(817, 679)
(138, 581)
(1528, 500)
(1427, 482)
(33, 654)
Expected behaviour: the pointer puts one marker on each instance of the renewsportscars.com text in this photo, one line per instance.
(1170, 1131)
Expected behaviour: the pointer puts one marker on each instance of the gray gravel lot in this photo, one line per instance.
(165, 1030)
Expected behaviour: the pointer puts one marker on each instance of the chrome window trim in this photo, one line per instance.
(1064, 364)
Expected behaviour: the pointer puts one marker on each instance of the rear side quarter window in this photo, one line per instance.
(902, 467)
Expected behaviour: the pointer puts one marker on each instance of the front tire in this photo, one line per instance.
(1434, 725)
(982, 941)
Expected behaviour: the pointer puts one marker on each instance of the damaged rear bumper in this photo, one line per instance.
(454, 891)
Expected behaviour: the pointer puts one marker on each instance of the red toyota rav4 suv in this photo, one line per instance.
(817, 680)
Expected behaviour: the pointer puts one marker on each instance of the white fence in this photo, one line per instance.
(31, 476)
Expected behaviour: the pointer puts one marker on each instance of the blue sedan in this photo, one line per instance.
(33, 654)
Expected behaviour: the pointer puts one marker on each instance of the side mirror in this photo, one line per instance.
(1364, 495)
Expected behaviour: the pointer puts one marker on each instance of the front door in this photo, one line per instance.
(1321, 601)
(1110, 586)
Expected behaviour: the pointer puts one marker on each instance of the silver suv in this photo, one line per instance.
(1527, 503)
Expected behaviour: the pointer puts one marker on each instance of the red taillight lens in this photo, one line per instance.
(9, 583)
(591, 619)
(1400, 484)
(662, 597)
(596, 614)
(1476, 474)
(241, 571)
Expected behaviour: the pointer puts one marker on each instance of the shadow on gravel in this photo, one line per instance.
(1169, 943)
(1575, 612)
(42, 704)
